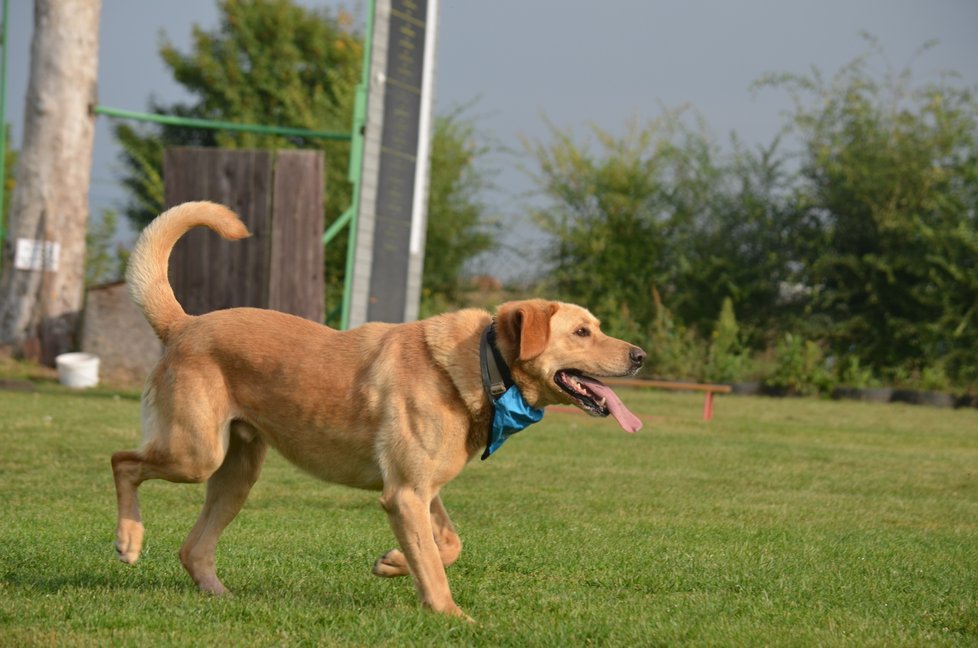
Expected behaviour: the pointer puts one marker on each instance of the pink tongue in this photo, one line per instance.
(628, 421)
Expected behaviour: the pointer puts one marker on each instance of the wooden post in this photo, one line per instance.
(708, 407)
(279, 197)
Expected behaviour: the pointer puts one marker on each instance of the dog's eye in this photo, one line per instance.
(583, 332)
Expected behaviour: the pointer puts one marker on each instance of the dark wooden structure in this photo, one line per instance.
(279, 197)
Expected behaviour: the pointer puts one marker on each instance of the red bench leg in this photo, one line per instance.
(708, 406)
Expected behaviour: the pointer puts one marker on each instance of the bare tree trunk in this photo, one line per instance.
(39, 308)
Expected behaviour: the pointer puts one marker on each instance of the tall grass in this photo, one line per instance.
(781, 522)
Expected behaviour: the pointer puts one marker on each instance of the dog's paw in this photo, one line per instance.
(391, 565)
(451, 609)
(129, 541)
(212, 585)
(465, 617)
(459, 614)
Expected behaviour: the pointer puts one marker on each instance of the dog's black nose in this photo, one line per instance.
(637, 356)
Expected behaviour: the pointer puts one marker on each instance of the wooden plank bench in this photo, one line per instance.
(675, 386)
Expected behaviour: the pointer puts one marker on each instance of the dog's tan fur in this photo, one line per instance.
(395, 408)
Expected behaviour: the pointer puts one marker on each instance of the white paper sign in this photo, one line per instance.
(37, 255)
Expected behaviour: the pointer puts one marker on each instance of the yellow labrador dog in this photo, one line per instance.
(398, 408)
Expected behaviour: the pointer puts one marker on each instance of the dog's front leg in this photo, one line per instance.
(393, 563)
(408, 510)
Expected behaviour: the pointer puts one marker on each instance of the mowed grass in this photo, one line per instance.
(781, 522)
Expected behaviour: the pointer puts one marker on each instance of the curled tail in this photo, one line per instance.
(149, 285)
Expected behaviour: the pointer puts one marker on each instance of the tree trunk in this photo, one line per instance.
(41, 306)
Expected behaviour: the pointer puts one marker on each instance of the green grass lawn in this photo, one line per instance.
(781, 522)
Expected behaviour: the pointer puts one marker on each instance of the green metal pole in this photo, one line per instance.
(3, 128)
(189, 122)
(333, 230)
(356, 165)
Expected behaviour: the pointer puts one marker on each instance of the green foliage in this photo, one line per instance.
(271, 62)
(278, 63)
(865, 241)
(610, 215)
(674, 351)
(929, 377)
(854, 374)
(142, 158)
(868, 248)
(661, 206)
(800, 367)
(104, 259)
(9, 179)
(891, 170)
(749, 242)
(457, 227)
(934, 377)
(727, 360)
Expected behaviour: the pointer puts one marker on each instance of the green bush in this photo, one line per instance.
(727, 360)
(103, 262)
(931, 377)
(800, 367)
(675, 352)
(853, 374)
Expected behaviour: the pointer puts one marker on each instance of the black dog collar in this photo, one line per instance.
(496, 378)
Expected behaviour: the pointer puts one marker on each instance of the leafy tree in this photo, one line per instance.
(274, 62)
(749, 244)
(662, 207)
(270, 62)
(612, 215)
(866, 244)
(890, 172)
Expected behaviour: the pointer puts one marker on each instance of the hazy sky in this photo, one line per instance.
(574, 61)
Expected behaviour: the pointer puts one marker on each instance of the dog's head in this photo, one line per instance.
(559, 352)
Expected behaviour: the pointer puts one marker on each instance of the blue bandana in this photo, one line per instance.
(511, 413)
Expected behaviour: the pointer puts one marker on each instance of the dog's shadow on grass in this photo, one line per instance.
(36, 571)
(87, 580)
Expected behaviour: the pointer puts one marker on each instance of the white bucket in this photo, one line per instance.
(77, 370)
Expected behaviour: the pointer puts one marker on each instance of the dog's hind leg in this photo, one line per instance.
(130, 469)
(184, 451)
(126, 470)
(393, 563)
(227, 490)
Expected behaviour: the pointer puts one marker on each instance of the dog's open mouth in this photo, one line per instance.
(596, 398)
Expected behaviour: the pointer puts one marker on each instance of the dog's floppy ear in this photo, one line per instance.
(527, 325)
